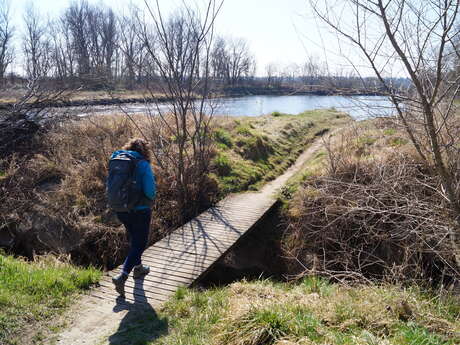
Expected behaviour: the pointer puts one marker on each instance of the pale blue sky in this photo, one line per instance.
(278, 31)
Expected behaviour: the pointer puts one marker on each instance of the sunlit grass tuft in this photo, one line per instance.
(36, 291)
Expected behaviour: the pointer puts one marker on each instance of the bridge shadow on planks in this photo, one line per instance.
(141, 325)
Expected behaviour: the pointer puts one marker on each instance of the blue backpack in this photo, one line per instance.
(123, 191)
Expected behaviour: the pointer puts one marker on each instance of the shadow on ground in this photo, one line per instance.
(141, 325)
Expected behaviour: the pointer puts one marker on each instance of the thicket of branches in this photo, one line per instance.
(373, 215)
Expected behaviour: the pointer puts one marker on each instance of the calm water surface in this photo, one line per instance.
(359, 107)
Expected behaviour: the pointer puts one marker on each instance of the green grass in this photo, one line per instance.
(311, 311)
(396, 142)
(222, 137)
(252, 151)
(36, 291)
(366, 140)
(389, 131)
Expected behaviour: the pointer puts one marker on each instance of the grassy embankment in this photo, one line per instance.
(308, 312)
(62, 188)
(33, 292)
(251, 151)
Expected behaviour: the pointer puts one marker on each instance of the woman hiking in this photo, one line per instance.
(131, 189)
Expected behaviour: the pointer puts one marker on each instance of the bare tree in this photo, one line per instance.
(418, 39)
(36, 44)
(132, 48)
(63, 54)
(178, 47)
(76, 19)
(240, 61)
(232, 60)
(102, 33)
(274, 77)
(219, 59)
(6, 37)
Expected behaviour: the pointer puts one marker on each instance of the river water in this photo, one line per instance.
(359, 107)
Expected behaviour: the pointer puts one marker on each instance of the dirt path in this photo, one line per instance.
(96, 321)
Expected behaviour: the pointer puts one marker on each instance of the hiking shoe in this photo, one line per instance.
(119, 282)
(140, 271)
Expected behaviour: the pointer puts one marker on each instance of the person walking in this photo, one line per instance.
(131, 190)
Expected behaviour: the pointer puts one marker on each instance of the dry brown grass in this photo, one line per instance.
(55, 200)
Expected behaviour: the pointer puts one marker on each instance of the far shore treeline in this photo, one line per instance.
(93, 47)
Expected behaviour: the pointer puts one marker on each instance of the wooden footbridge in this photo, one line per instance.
(190, 251)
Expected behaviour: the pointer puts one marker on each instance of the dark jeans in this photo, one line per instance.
(137, 224)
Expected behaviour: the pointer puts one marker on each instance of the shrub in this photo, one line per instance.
(372, 220)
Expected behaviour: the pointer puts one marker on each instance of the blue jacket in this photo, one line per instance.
(144, 177)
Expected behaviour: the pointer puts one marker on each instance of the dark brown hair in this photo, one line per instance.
(138, 145)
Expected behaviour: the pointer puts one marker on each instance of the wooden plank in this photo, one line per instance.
(183, 270)
(152, 280)
(226, 216)
(226, 219)
(210, 237)
(190, 260)
(230, 222)
(200, 228)
(159, 267)
(204, 249)
(204, 237)
(193, 248)
(244, 209)
(189, 255)
(172, 254)
(206, 226)
(235, 227)
(205, 242)
(210, 230)
(175, 268)
(187, 259)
